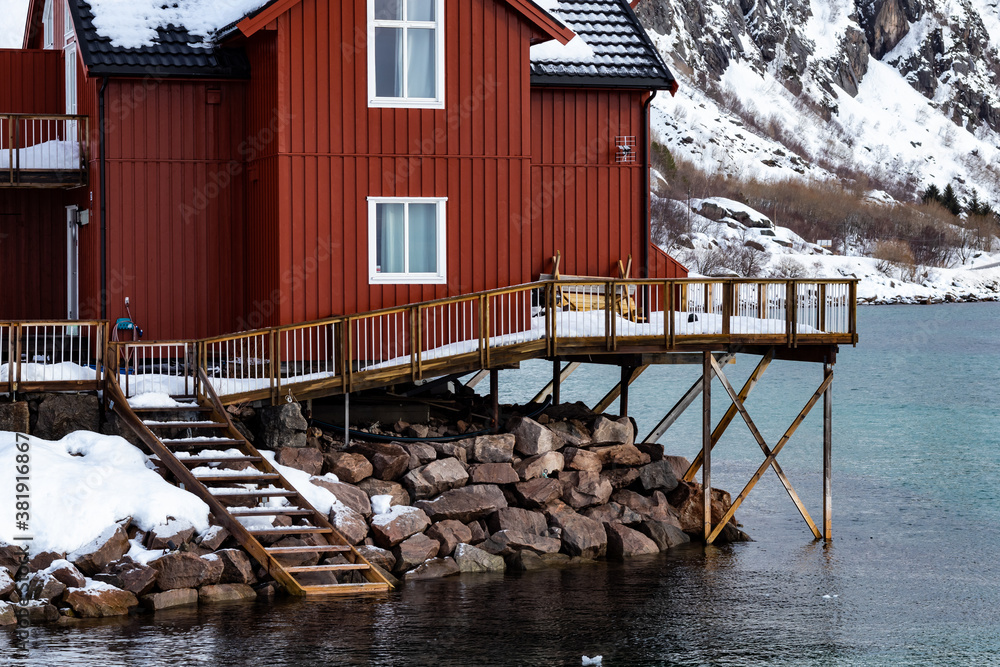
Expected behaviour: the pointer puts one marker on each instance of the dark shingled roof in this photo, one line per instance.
(624, 56)
(176, 53)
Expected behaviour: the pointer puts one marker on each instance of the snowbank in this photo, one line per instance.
(85, 483)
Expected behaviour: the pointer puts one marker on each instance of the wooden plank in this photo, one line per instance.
(706, 443)
(240, 479)
(345, 589)
(828, 455)
(338, 567)
(309, 549)
(291, 530)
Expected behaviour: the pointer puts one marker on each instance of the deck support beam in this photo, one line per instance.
(680, 406)
(347, 420)
(495, 398)
(828, 454)
(549, 389)
(476, 379)
(629, 375)
(706, 442)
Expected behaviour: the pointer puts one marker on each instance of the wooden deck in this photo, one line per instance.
(43, 151)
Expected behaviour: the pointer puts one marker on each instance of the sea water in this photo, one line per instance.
(912, 575)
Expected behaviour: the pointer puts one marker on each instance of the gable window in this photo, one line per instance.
(48, 25)
(406, 53)
(406, 240)
(68, 22)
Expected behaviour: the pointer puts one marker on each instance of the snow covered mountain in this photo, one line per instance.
(905, 93)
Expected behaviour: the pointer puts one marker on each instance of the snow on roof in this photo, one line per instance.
(576, 50)
(133, 24)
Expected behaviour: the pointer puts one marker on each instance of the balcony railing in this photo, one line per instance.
(43, 151)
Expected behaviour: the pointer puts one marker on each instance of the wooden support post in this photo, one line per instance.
(476, 379)
(626, 379)
(706, 441)
(495, 398)
(629, 376)
(563, 374)
(347, 420)
(828, 455)
(556, 381)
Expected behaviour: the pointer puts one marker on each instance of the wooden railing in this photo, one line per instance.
(476, 331)
(43, 151)
(38, 356)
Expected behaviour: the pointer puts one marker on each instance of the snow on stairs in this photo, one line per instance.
(304, 552)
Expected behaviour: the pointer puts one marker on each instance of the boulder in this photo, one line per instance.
(690, 507)
(449, 534)
(538, 492)
(378, 556)
(268, 590)
(653, 449)
(282, 426)
(348, 467)
(389, 460)
(170, 535)
(180, 570)
(474, 559)
(464, 504)
(349, 523)
(399, 523)
(493, 473)
(12, 558)
(542, 465)
(7, 614)
(532, 439)
(305, 558)
(180, 597)
(43, 560)
(581, 459)
(435, 568)
(678, 465)
(305, 459)
(620, 455)
(226, 593)
(420, 454)
(435, 478)
(348, 494)
(15, 417)
(456, 450)
(658, 475)
(6, 583)
(109, 546)
(731, 533)
(62, 414)
(653, 507)
(214, 572)
(67, 573)
(584, 489)
(527, 560)
(377, 487)
(413, 551)
(572, 432)
(37, 612)
(213, 538)
(506, 542)
(516, 518)
(45, 587)
(498, 448)
(624, 542)
(100, 600)
(619, 478)
(580, 536)
(665, 535)
(618, 431)
(478, 530)
(614, 513)
(129, 576)
(236, 567)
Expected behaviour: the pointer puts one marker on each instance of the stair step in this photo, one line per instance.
(200, 425)
(270, 511)
(194, 407)
(329, 568)
(242, 479)
(345, 589)
(200, 443)
(219, 459)
(310, 549)
(291, 530)
(261, 493)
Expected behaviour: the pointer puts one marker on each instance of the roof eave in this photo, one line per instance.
(617, 82)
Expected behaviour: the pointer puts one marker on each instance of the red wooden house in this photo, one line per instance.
(258, 163)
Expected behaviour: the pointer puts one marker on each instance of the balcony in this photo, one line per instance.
(43, 151)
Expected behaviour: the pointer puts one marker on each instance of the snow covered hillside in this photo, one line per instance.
(905, 92)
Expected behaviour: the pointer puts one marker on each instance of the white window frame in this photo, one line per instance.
(48, 26)
(70, 79)
(441, 277)
(407, 102)
(68, 30)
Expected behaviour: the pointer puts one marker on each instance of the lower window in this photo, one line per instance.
(406, 240)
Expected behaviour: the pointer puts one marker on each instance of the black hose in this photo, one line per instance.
(378, 437)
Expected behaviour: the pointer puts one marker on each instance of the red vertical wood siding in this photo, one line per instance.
(32, 254)
(31, 82)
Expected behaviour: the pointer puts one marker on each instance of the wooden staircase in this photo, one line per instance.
(198, 444)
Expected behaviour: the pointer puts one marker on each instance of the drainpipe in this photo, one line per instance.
(647, 165)
(104, 205)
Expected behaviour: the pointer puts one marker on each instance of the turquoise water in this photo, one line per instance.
(912, 574)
